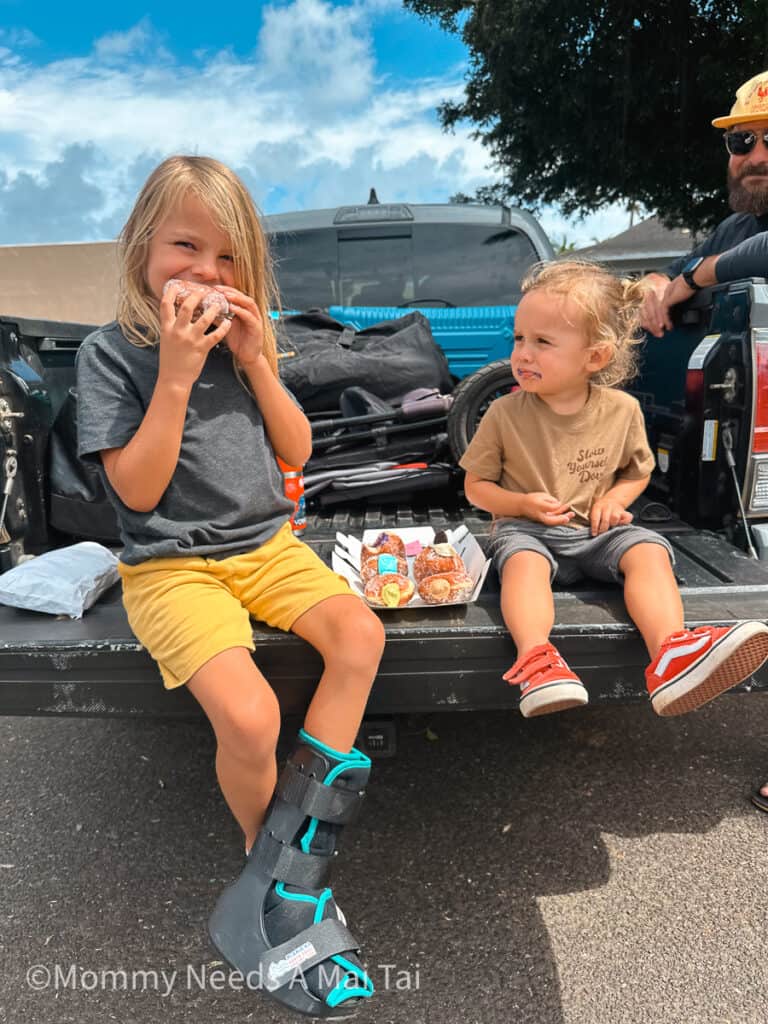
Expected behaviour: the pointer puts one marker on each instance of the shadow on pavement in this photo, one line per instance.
(120, 841)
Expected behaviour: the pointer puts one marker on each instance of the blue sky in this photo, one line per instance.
(311, 101)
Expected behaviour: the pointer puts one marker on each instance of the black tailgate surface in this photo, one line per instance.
(436, 659)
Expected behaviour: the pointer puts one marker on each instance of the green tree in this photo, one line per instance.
(583, 103)
(563, 246)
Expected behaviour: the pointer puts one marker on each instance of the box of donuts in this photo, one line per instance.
(413, 567)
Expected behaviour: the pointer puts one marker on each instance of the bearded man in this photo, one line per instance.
(746, 140)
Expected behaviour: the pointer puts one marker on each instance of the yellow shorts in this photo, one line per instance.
(186, 610)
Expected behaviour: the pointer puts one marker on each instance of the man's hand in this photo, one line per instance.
(654, 313)
(607, 512)
(677, 292)
(543, 508)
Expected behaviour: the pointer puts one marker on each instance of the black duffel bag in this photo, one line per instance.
(320, 357)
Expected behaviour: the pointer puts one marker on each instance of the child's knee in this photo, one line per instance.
(647, 558)
(526, 562)
(251, 730)
(357, 640)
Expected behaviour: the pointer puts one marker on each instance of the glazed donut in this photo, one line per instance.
(385, 544)
(389, 590)
(211, 297)
(446, 587)
(437, 558)
(383, 564)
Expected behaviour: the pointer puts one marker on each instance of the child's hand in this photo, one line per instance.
(545, 509)
(246, 337)
(605, 513)
(184, 345)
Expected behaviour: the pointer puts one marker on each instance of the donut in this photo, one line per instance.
(383, 564)
(437, 558)
(211, 297)
(389, 590)
(385, 544)
(446, 587)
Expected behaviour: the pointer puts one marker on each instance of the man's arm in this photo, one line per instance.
(747, 259)
(655, 312)
(702, 249)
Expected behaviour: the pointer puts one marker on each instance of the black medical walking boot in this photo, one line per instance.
(278, 923)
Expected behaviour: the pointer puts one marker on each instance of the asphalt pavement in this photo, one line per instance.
(596, 866)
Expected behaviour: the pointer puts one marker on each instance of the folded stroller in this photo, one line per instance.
(374, 448)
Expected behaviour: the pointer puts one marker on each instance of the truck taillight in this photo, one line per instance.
(694, 391)
(760, 433)
(758, 499)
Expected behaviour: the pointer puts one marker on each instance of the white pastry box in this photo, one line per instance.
(345, 559)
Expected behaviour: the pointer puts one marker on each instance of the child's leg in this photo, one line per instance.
(689, 667)
(528, 620)
(279, 917)
(245, 715)
(350, 639)
(528, 607)
(650, 593)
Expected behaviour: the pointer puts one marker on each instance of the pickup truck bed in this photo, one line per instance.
(436, 659)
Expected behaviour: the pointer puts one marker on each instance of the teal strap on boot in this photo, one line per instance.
(279, 920)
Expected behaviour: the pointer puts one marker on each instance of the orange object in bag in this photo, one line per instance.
(293, 477)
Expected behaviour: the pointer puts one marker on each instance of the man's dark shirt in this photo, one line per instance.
(731, 231)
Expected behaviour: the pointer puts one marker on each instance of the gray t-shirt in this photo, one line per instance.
(226, 494)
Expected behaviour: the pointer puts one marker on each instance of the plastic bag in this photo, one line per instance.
(62, 582)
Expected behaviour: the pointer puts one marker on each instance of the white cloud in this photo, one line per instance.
(313, 47)
(18, 37)
(379, 7)
(304, 118)
(122, 44)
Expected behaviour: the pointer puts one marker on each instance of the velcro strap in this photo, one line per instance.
(283, 964)
(287, 864)
(336, 806)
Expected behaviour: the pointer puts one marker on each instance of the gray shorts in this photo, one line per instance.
(571, 551)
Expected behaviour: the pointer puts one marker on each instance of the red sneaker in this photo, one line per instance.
(696, 665)
(546, 683)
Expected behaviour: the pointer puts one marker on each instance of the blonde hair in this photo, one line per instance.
(610, 306)
(232, 209)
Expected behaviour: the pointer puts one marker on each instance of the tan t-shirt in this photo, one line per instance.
(523, 446)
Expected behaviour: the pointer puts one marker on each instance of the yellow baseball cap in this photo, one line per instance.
(751, 103)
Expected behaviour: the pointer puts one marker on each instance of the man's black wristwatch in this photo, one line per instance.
(689, 270)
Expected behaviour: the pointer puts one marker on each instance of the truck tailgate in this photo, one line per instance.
(436, 659)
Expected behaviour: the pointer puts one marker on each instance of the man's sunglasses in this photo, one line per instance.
(741, 143)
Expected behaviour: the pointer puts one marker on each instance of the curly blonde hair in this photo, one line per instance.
(233, 210)
(610, 307)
